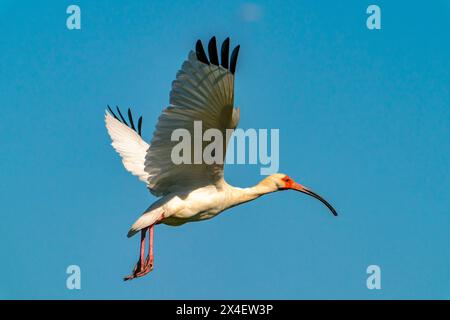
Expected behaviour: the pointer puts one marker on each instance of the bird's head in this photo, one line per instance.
(279, 181)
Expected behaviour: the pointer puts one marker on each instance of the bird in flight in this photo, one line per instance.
(202, 91)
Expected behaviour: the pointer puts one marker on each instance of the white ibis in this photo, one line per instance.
(203, 91)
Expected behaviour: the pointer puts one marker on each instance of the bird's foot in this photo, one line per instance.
(140, 271)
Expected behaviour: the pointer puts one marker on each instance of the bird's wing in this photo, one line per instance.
(203, 91)
(127, 141)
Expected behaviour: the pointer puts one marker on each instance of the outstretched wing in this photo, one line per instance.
(203, 91)
(127, 141)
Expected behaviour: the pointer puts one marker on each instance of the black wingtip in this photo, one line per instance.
(212, 51)
(233, 60)
(224, 53)
(227, 63)
(139, 125)
(200, 52)
(130, 118)
(121, 116)
(112, 112)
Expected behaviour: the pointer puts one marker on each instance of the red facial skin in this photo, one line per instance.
(291, 184)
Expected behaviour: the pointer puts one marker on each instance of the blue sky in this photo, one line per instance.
(364, 120)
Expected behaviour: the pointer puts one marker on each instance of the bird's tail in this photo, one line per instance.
(147, 219)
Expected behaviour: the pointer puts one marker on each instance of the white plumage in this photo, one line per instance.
(203, 91)
(200, 92)
(131, 147)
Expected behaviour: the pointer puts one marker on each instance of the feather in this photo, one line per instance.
(201, 55)
(212, 50)
(224, 52)
(234, 56)
(130, 118)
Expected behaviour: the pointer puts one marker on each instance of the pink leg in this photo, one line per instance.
(142, 253)
(150, 243)
(143, 266)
